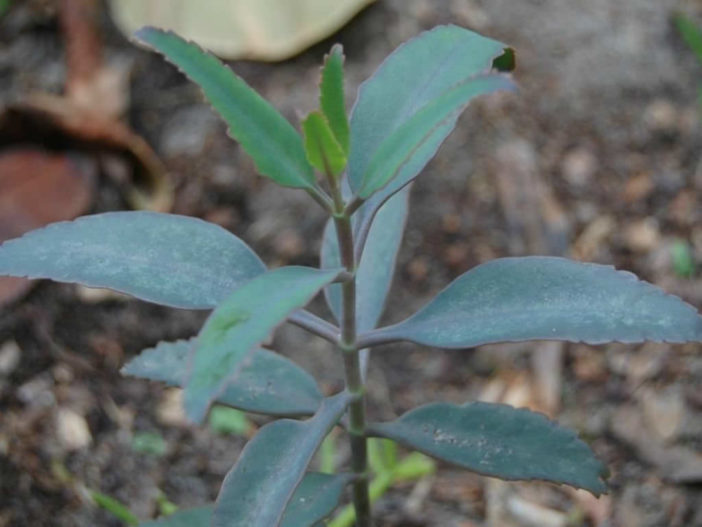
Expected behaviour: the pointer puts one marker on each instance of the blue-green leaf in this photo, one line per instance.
(163, 258)
(265, 135)
(377, 265)
(498, 440)
(404, 143)
(415, 74)
(240, 323)
(267, 384)
(314, 499)
(545, 298)
(259, 487)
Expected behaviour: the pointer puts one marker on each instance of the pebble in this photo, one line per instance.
(10, 354)
(664, 412)
(578, 166)
(170, 411)
(642, 235)
(72, 430)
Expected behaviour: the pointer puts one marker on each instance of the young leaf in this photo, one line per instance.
(323, 150)
(267, 384)
(331, 96)
(498, 440)
(545, 298)
(240, 324)
(314, 499)
(409, 139)
(265, 135)
(690, 32)
(377, 265)
(258, 488)
(414, 75)
(163, 258)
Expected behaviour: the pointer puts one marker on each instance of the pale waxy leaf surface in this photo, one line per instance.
(415, 74)
(239, 325)
(315, 498)
(270, 139)
(323, 150)
(499, 441)
(258, 489)
(267, 384)
(331, 96)
(377, 265)
(548, 298)
(167, 259)
(407, 140)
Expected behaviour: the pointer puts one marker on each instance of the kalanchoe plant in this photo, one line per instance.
(359, 171)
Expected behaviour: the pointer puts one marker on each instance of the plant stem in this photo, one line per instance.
(352, 367)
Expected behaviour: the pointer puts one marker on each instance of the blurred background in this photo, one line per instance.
(598, 157)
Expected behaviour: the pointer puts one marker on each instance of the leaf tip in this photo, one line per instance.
(506, 61)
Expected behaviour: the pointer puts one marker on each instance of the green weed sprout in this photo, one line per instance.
(358, 170)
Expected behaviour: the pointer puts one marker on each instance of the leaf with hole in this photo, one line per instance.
(264, 134)
(239, 325)
(163, 258)
(545, 298)
(267, 384)
(498, 440)
(415, 74)
(258, 489)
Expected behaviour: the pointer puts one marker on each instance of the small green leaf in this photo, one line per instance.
(149, 443)
(265, 135)
(414, 466)
(267, 384)
(498, 440)
(690, 32)
(323, 150)
(240, 324)
(114, 507)
(683, 260)
(257, 490)
(414, 75)
(163, 258)
(545, 298)
(399, 148)
(331, 96)
(225, 420)
(195, 517)
(327, 454)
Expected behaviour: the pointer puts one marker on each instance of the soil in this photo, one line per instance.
(596, 157)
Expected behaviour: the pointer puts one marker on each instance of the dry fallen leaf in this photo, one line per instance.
(261, 30)
(36, 188)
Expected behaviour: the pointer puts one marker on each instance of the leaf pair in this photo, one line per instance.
(176, 261)
(326, 131)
